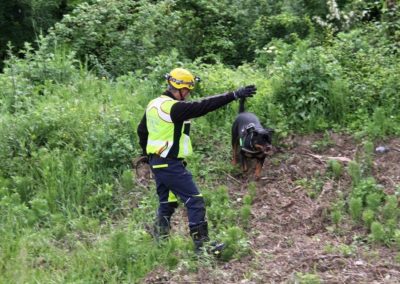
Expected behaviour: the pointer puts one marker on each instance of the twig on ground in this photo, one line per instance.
(325, 158)
(234, 179)
(396, 149)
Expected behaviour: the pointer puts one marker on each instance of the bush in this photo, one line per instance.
(378, 232)
(368, 60)
(336, 168)
(26, 80)
(368, 217)
(391, 209)
(312, 90)
(119, 36)
(285, 26)
(235, 242)
(356, 207)
(370, 193)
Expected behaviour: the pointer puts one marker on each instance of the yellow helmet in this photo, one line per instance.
(181, 78)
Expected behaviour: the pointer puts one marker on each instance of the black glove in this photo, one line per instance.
(140, 160)
(145, 159)
(245, 92)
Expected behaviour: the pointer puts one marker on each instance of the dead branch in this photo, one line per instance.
(234, 179)
(327, 158)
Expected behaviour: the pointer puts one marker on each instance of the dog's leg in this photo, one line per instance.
(259, 165)
(243, 161)
(235, 154)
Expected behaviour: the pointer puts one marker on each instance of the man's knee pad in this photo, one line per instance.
(196, 210)
(195, 202)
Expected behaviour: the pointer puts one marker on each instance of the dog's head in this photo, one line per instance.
(261, 139)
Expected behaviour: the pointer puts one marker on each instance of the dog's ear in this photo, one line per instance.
(250, 127)
(270, 131)
(270, 134)
(267, 134)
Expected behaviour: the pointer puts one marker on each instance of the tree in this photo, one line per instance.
(23, 20)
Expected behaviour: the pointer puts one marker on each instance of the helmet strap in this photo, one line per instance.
(180, 93)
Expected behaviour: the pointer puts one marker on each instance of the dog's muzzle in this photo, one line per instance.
(266, 149)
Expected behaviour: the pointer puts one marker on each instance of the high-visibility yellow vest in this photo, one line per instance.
(161, 129)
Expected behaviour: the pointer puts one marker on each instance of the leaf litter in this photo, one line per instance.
(291, 234)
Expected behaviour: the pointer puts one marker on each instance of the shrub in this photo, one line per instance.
(235, 243)
(374, 200)
(367, 58)
(312, 90)
(381, 124)
(219, 211)
(336, 168)
(354, 170)
(377, 232)
(370, 193)
(119, 36)
(356, 207)
(285, 26)
(368, 216)
(391, 209)
(397, 238)
(245, 213)
(337, 210)
(27, 79)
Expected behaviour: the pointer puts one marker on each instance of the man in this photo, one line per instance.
(164, 137)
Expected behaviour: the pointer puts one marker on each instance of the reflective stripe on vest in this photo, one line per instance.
(161, 129)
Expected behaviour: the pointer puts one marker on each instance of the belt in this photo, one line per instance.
(151, 156)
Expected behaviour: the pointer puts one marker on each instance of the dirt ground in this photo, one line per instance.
(291, 234)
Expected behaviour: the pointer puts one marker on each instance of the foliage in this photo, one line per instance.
(355, 173)
(323, 144)
(312, 186)
(377, 232)
(337, 211)
(236, 244)
(369, 192)
(367, 58)
(213, 31)
(285, 26)
(368, 216)
(336, 168)
(312, 90)
(23, 21)
(379, 211)
(355, 207)
(307, 278)
(129, 36)
(71, 209)
(65, 176)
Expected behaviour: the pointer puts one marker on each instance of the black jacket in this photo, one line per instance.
(182, 111)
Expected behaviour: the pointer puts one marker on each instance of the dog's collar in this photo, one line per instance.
(250, 151)
(246, 144)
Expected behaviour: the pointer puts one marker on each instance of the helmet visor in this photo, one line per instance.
(179, 84)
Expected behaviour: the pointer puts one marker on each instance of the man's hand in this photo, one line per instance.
(245, 92)
(140, 160)
(142, 169)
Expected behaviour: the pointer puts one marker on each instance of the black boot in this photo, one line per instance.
(161, 228)
(200, 237)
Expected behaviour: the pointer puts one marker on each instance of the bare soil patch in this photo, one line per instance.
(291, 233)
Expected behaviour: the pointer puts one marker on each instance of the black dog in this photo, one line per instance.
(250, 140)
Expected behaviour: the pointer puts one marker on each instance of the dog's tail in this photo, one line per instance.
(241, 104)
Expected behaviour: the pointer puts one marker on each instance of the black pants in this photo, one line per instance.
(172, 176)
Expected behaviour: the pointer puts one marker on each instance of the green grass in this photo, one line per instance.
(70, 208)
